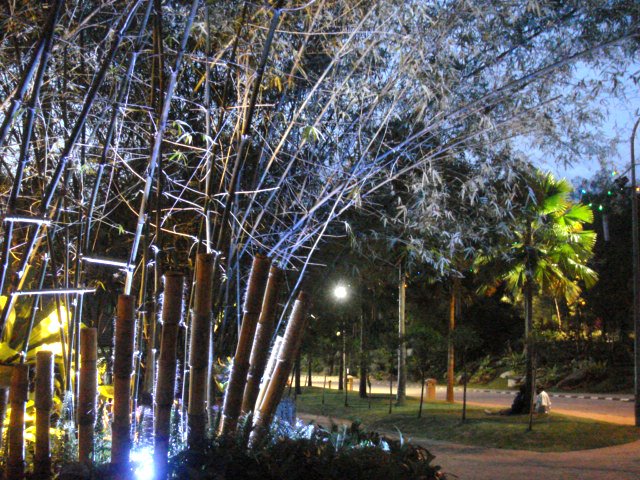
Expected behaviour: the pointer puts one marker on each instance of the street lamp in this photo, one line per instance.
(340, 292)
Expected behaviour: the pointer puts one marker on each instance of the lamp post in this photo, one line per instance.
(340, 292)
(636, 276)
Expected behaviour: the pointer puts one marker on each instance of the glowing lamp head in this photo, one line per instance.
(340, 292)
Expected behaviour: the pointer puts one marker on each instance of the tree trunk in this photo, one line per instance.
(262, 339)
(17, 400)
(422, 380)
(238, 377)
(88, 393)
(555, 300)
(528, 332)
(310, 372)
(401, 393)
(464, 388)
(165, 386)
(341, 367)
(290, 346)
(199, 351)
(298, 388)
(362, 387)
(451, 358)
(122, 369)
(390, 393)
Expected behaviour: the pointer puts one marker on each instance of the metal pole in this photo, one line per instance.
(636, 276)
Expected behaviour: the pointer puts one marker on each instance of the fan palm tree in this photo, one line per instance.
(550, 252)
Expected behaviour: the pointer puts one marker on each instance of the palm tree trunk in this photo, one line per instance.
(43, 403)
(88, 392)
(555, 300)
(528, 332)
(165, 388)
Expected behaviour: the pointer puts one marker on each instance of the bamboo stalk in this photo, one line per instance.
(17, 400)
(268, 371)
(122, 369)
(238, 376)
(44, 49)
(199, 354)
(262, 339)
(290, 346)
(4, 400)
(87, 394)
(44, 403)
(60, 169)
(165, 387)
(157, 142)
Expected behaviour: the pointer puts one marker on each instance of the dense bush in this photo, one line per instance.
(312, 454)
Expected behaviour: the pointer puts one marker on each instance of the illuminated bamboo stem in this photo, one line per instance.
(262, 339)
(88, 393)
(70, 143)
(44, 404)
(290, 346)
(238, 377)
(122, 369)
(4, 399)
(165, 387)
(17, 400)
(268, 371)
(199, 354)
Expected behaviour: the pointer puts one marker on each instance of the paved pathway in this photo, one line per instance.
(467, 462)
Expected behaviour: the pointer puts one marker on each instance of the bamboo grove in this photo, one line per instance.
(177, 165)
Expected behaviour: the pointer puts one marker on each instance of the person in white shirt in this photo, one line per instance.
(543, 402)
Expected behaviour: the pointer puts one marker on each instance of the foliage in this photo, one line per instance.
(314, 453)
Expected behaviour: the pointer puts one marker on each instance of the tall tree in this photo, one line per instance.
(549, 253)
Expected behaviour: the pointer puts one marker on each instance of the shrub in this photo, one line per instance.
(311, 454)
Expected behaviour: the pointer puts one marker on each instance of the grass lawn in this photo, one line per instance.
(441, 421)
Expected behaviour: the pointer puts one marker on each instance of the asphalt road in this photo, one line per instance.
(614, 411)
(618, 411)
